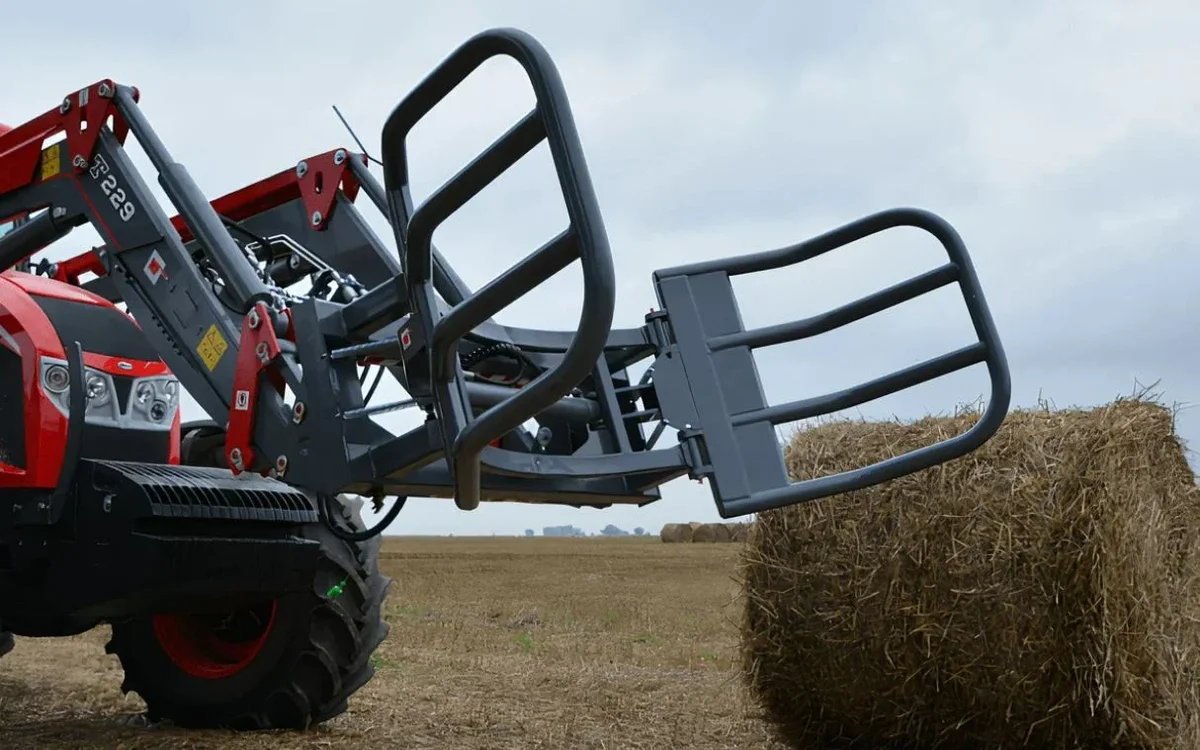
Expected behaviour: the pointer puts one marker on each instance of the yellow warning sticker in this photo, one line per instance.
(212, 347)
(51, 161)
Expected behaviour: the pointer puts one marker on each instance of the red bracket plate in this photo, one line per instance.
(259, 347)
(80, 116)
(322, 176)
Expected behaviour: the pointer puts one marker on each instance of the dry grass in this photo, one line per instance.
(1041, 592)
(495, 643)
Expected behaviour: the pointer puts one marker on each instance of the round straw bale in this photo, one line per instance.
(1040, 592)
(739, 532)
(711, 532)
(676, 532)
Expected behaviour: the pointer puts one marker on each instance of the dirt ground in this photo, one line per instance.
(495, 643)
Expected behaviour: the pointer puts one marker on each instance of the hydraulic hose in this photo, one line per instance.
(326, 515)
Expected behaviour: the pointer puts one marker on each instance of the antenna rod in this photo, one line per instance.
(350, 130)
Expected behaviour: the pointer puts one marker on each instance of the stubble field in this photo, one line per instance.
(495, 643)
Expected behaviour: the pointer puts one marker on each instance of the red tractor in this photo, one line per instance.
(278, 661)
(230, 556)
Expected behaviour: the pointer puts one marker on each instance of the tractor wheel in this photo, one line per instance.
(287, 664)
(7, 642)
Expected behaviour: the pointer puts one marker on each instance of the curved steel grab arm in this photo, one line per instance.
(743, 481)
(585, 239)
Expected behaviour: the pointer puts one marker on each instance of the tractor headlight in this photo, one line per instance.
(143, 392)
(153, 403)
(56, 382)
(56, 378)
(98, 390)
(155, 400)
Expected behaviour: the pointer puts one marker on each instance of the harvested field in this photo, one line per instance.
(495, 643)
(1041, 592)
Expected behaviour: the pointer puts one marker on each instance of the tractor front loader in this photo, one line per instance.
(237, 573)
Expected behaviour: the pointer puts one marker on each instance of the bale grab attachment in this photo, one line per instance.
(213, 289)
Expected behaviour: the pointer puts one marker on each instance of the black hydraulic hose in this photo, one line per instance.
(374, 385)
(323, 510)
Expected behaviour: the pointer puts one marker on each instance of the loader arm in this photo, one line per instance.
(216, 290)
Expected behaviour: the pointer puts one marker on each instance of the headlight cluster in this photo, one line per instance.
(152, 402)
(155, 398)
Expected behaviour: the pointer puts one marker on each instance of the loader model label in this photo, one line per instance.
(212, 347)
(112, 189)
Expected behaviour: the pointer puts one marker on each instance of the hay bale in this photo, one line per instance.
(712, 533)
(676, 533)
(739, 532)
(1041, 592)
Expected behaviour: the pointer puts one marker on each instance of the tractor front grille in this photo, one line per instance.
(204, 493)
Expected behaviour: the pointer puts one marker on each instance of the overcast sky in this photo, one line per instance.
(1062, 140)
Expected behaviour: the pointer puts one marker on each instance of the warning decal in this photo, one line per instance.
(155, 268)
(51, 161)
(212, 347)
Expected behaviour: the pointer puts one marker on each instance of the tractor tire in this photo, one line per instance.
(7, 642)
(295, 672)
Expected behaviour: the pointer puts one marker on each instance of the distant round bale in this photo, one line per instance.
(1040, 592)
(676, 532)
(711, 532)
(738, 532)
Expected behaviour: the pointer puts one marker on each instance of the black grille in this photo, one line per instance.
(12, 402)
(201, 492)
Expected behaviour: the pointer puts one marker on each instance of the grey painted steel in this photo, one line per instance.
(729, 420)
(446, 281)
(194, 207)
(585, 237)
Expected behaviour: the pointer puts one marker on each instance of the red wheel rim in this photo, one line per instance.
(215, 647)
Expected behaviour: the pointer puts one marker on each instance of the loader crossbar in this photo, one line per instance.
(216, 289)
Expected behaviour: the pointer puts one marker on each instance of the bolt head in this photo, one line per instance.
(339, 156)
(302, 169)
(316, 218)
(253, 318)
(281, 465)
(298, 412)
(105, 90)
